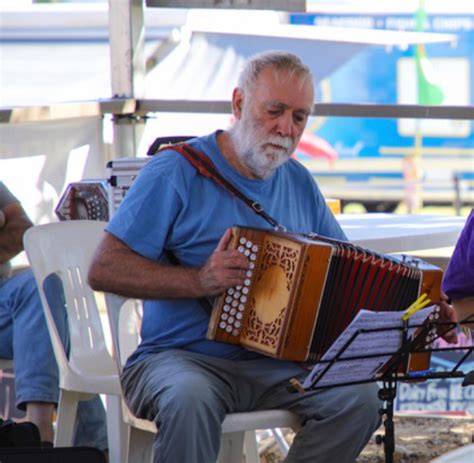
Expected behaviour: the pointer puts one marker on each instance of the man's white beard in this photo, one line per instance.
(254, 147)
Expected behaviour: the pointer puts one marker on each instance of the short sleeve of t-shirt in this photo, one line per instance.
(148, 210)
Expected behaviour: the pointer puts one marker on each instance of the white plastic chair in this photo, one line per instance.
(238, 429)
(66, 249)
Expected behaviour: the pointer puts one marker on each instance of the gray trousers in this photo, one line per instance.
(188, 396)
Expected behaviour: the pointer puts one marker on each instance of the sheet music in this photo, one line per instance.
(384, 342)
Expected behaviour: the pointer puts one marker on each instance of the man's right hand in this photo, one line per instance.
(224, 269)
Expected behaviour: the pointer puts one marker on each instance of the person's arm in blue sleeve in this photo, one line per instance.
(118, 269)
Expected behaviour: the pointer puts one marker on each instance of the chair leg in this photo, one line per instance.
(66, 417)
(232, 445)
(140, 449)
(280, 440)
(251, 447)
(118, 432)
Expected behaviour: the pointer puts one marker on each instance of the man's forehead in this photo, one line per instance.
(282, 87)
(275, 75)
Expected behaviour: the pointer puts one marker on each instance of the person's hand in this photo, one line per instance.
(224, 269)
(447, 314)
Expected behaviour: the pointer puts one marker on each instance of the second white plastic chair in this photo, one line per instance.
(65, 249)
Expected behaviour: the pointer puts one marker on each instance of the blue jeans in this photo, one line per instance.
(188, 396)
(24, 337)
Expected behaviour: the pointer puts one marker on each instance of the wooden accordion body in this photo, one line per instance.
(302, 292)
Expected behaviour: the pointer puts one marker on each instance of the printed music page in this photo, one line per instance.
(384, 342)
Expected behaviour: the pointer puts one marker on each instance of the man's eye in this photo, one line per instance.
(299, 118)
(274, 112)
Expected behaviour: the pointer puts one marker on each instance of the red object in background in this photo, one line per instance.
(316, 147)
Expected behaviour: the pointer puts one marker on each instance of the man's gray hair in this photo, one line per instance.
(278, 60)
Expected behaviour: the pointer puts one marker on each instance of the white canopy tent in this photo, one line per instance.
(205, 64)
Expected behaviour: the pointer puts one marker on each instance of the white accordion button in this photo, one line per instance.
(230, 291)
(245, 291)
(233, 312)
(241, 249)
(253, 257)
(251, 265)
(231, 320)
(237, 324)
(235, 333)
(239, 316)
(222, 325)
(228, 328)
(243, 299)
(226, 308)
(249, 273)
(235, 303)
(241, 307)
(247, 282)
(255, 248)
(242, 240)
(224, 316)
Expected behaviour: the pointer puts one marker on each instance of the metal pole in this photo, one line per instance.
(127, 40)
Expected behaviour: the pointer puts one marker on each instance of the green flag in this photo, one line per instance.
(429, 92)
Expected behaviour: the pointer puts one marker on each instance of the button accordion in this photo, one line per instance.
(301, 292)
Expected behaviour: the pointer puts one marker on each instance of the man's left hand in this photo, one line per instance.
(447, 314)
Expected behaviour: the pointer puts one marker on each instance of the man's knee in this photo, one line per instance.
(366, 403)
(357, 400)
(367, 395)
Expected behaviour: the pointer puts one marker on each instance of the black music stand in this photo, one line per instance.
(392, 370)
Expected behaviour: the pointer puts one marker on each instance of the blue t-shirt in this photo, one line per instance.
(172, 208)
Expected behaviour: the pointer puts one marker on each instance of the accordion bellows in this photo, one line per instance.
(301, 292)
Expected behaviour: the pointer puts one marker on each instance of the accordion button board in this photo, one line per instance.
(301, 292)
(84, 200)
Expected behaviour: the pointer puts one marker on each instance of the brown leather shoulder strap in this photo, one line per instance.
(206, 167)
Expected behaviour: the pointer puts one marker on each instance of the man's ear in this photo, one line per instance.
(237, 102)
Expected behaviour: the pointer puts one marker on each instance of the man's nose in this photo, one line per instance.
(285, 125)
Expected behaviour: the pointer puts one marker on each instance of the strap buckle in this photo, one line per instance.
(257, 207)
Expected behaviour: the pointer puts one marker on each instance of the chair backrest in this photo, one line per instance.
(125, 317)
(63, 251)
